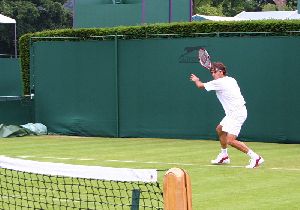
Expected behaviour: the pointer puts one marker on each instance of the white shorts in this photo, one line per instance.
(232, 123)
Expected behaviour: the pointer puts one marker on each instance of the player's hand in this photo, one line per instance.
(194, 78)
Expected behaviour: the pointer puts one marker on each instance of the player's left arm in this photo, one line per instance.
(197, 81)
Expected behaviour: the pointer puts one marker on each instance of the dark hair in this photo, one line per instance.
(218, 66)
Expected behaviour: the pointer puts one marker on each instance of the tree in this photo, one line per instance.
(269, 7)
(209, 10)
(233, 7)
(224, 7)
(33, 16)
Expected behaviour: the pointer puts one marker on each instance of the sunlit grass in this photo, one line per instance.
(276, 185)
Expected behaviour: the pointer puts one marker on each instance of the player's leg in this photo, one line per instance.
(232, 141)
(222, 157)
(222, 136)
(255, 160)
(231, 126)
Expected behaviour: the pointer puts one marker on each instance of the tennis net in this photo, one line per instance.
(26, 184)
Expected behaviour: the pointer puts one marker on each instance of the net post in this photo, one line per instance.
(135, 199)
(177, 191)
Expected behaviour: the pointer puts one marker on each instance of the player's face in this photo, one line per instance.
(216, 74)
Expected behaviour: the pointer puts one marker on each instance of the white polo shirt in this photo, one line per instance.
(228, 93)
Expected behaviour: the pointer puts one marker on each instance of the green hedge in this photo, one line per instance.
(190, 29)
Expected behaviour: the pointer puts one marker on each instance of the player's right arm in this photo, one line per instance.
(197, 81)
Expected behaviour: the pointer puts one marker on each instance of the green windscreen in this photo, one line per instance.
(163, 101)
(141, 88)
(109, 13)
(14, 109)
(103, 13)
(156, 11)
(181, 10)
(75, 87)
(16, 112)
(10, 80)
(167, 104)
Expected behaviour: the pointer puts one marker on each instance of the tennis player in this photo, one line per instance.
(229, 94)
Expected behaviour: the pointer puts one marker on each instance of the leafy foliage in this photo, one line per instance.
(33, 16)
(209, 10)
(233, 7)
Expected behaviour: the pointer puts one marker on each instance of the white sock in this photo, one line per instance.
(252, 154)
(224, 151)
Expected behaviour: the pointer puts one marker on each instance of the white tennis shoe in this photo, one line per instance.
(221, 159)
(255, 162)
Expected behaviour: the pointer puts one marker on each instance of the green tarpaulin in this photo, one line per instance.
(22, 130)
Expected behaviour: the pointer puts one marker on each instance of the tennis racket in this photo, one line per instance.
(204, 58)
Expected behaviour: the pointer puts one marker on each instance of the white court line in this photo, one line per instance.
(155, 162)
(286, 169)
(123, 161)
(25, 156)
(149, 162)
(228, 166)
(191, 164)
(56, 158)
(86, 159)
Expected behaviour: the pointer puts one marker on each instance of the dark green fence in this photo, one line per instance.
(10, 80)
(16, 112)
(76, 94)
(141, 88)
(109, 13)
(14, 109)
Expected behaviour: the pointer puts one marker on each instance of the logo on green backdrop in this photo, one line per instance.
(190, 55)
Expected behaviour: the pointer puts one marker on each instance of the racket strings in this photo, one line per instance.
(204, 59)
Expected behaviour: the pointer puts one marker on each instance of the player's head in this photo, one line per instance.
(218, 67)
